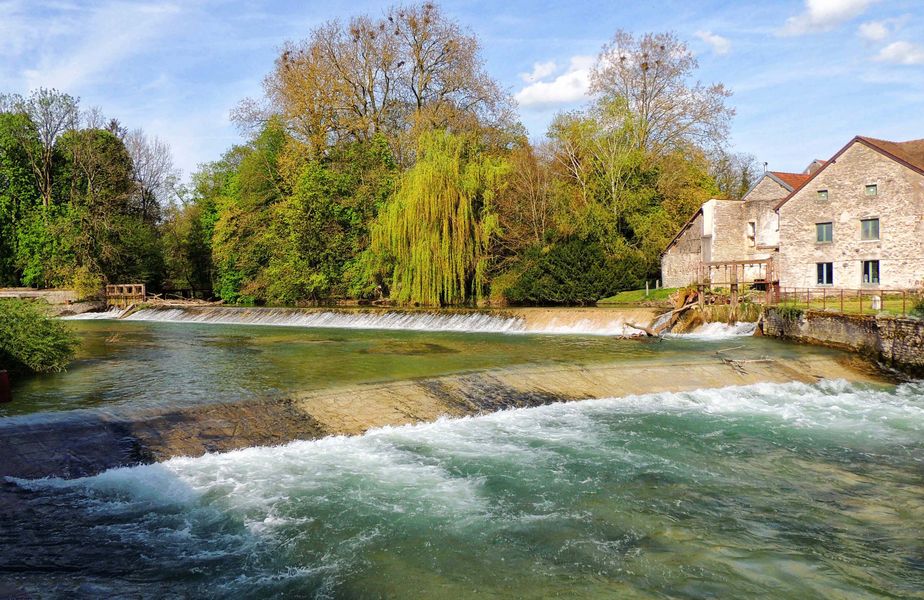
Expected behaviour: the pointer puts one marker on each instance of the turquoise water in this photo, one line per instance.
(775, 491)
(139, 364)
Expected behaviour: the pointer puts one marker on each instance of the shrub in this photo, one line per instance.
(572, 272)
(30, 340)
(918, 309)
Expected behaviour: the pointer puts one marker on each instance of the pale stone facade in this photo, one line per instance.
(894, 252)
(728, 230)
(679, 263)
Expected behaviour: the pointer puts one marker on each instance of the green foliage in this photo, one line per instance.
(639, 296)
(572, 272)
(67, 217)
(918, 308)
(30, 340)
(439, 224)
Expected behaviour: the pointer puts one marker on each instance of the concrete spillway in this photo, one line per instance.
(584, 321)
(84, 442)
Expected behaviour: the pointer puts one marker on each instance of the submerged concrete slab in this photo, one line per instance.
(86, 442)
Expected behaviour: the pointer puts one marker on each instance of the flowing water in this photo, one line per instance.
(772, 490)
(124, 364)
(777, 491)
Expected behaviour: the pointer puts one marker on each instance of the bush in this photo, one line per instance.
(572, 272)
(918, 309)
(30, 340)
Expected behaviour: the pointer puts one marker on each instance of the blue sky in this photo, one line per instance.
(807, 75)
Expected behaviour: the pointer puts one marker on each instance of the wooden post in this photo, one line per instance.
(860, 293)
(824, 299)
(842, 300)
(903, 303)
(733, 292)
(646, 288)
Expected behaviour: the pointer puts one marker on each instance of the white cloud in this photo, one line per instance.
(874, 31)
(570, 86)
(823, 15)
(540, 71)
(128, 29)
(878, 31)
(902, 53)
(719, 44)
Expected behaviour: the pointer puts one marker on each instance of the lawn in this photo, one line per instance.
(892, 305)
(638, 296)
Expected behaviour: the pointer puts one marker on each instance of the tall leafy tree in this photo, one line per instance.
(437, 228)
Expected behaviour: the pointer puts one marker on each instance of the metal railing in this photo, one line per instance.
(867, 301)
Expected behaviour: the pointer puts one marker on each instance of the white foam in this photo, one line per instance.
(112, 313)
(386, 320)
(718, 331)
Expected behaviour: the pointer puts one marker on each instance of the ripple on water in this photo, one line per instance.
(786, 490)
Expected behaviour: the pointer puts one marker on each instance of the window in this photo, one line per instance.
(752, 231)
(825, 273)
(822, 194)
(824, 232)
(869, 229)
(871, 272)
(872, 189)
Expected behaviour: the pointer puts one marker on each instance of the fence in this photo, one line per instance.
(857, 301)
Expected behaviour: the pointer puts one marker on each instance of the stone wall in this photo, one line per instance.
(679, 263)
(729, 231)
(899, 206)
(895, 342)
(759, 208)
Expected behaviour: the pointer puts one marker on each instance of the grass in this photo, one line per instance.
(638, 296)
(891, 305)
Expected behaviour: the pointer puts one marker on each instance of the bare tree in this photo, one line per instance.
(653, 75)
(153, 172)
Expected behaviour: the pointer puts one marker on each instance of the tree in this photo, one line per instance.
(652, 75)
(735, 174)
(437, 228)
(152, 171)
(395, 76)
(51, 115)
(525, 207)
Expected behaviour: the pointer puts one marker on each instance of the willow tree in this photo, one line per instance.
(438, 225)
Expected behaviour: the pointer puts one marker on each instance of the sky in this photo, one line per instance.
(806, 75)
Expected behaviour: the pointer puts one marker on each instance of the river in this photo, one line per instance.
(786, 490)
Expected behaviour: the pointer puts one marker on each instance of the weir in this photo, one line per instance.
(585, 321)
(90, 442)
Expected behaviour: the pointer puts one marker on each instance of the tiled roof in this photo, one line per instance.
(792, 180)
(910, 152)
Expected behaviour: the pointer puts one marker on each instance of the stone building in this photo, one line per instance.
(858, 221)
(731, 230)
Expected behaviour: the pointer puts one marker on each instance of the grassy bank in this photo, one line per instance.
(638, 297)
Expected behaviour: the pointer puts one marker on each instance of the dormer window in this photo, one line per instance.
(822, 194)
(872, 190)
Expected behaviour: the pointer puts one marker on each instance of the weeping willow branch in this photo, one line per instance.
(438, 226)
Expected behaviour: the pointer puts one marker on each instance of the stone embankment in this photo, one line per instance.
(85, 442)
(895, 342)
(60, 302)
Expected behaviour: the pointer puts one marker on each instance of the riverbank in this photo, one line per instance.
(85, 443)
(894, 342)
